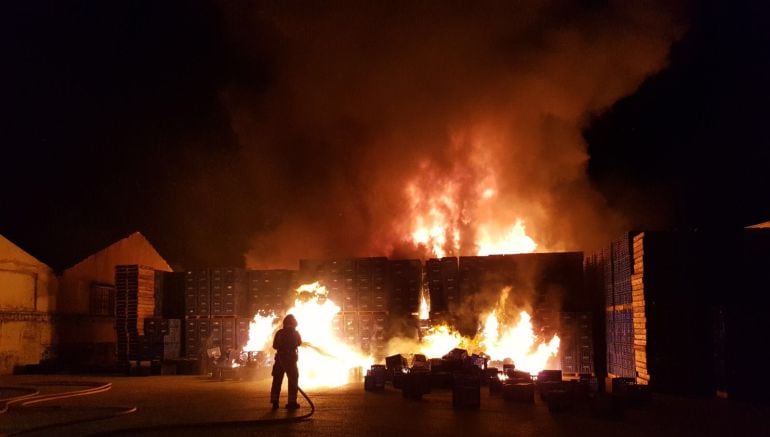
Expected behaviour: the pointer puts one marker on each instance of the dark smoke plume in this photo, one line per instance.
(337, 108)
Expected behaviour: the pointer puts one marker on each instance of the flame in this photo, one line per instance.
(440, 340)
(435, 224)
(518, 342)
(324, 360)
(261, 329)
(497, 340)
(459, 211)
(515, 240)
(424, 313)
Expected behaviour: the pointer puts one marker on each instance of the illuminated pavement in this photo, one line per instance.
(350, 411)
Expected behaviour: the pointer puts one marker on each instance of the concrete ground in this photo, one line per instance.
(350, 411)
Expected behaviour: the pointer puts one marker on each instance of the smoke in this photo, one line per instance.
(339, 110)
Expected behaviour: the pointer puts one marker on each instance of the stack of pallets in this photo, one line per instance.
(134, 301)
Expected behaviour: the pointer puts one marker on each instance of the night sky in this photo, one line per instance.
(123, 116)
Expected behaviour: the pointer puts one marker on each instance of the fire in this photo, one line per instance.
(518, 342)
(324, 360)
(515, 240)
(424, 313)
(458, 211)
(440, 340)
(497, 340)
(261, 329)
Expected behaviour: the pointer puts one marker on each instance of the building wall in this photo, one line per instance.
(24, 339)
(99, 268)
(76, 326)
(27, 293)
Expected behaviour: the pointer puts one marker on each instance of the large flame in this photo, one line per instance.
(440, 340)
(324, 359)
(497, 339)
(261, 330)
(458, 211)
(518, 342)
(514, 240)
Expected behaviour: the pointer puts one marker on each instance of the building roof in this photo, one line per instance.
(13, 254)
(134, 249)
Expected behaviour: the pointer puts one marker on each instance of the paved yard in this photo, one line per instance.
(350, 411)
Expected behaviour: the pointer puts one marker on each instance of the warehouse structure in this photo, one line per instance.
(27, 297)
(85, 319)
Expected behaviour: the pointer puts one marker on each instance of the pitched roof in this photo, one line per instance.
(11, 253)
(133, 249)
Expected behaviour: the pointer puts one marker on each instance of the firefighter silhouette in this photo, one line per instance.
(286, 342)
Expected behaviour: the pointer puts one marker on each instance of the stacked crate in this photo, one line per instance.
(442, 276)
(338, 276)
(216, 298)
(197, 293)
(228, 292)
(269, 291)
(639, 312)
(372, 283)
(620, 350)
(621, 271)
(381, 286)
(349, 325)
(164, 338)
(134, 301)
(172, 295)
(197, 337)
(616, 265)
(223, 333)
(469, 279)
(450, 278)
(371, 327)
(242, 331)
(435, 285)
(406, 276)
(576, 348)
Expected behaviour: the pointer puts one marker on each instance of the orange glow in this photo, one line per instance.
(459, 211)
(424, 308)
(496, 339)
(440, 340)
(261, 329)
(515, 240)
(518, 342)
(324, 360)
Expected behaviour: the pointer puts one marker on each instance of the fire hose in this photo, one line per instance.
(33, 396)
(231, 423)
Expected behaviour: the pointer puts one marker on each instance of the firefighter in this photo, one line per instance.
(286, 342)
